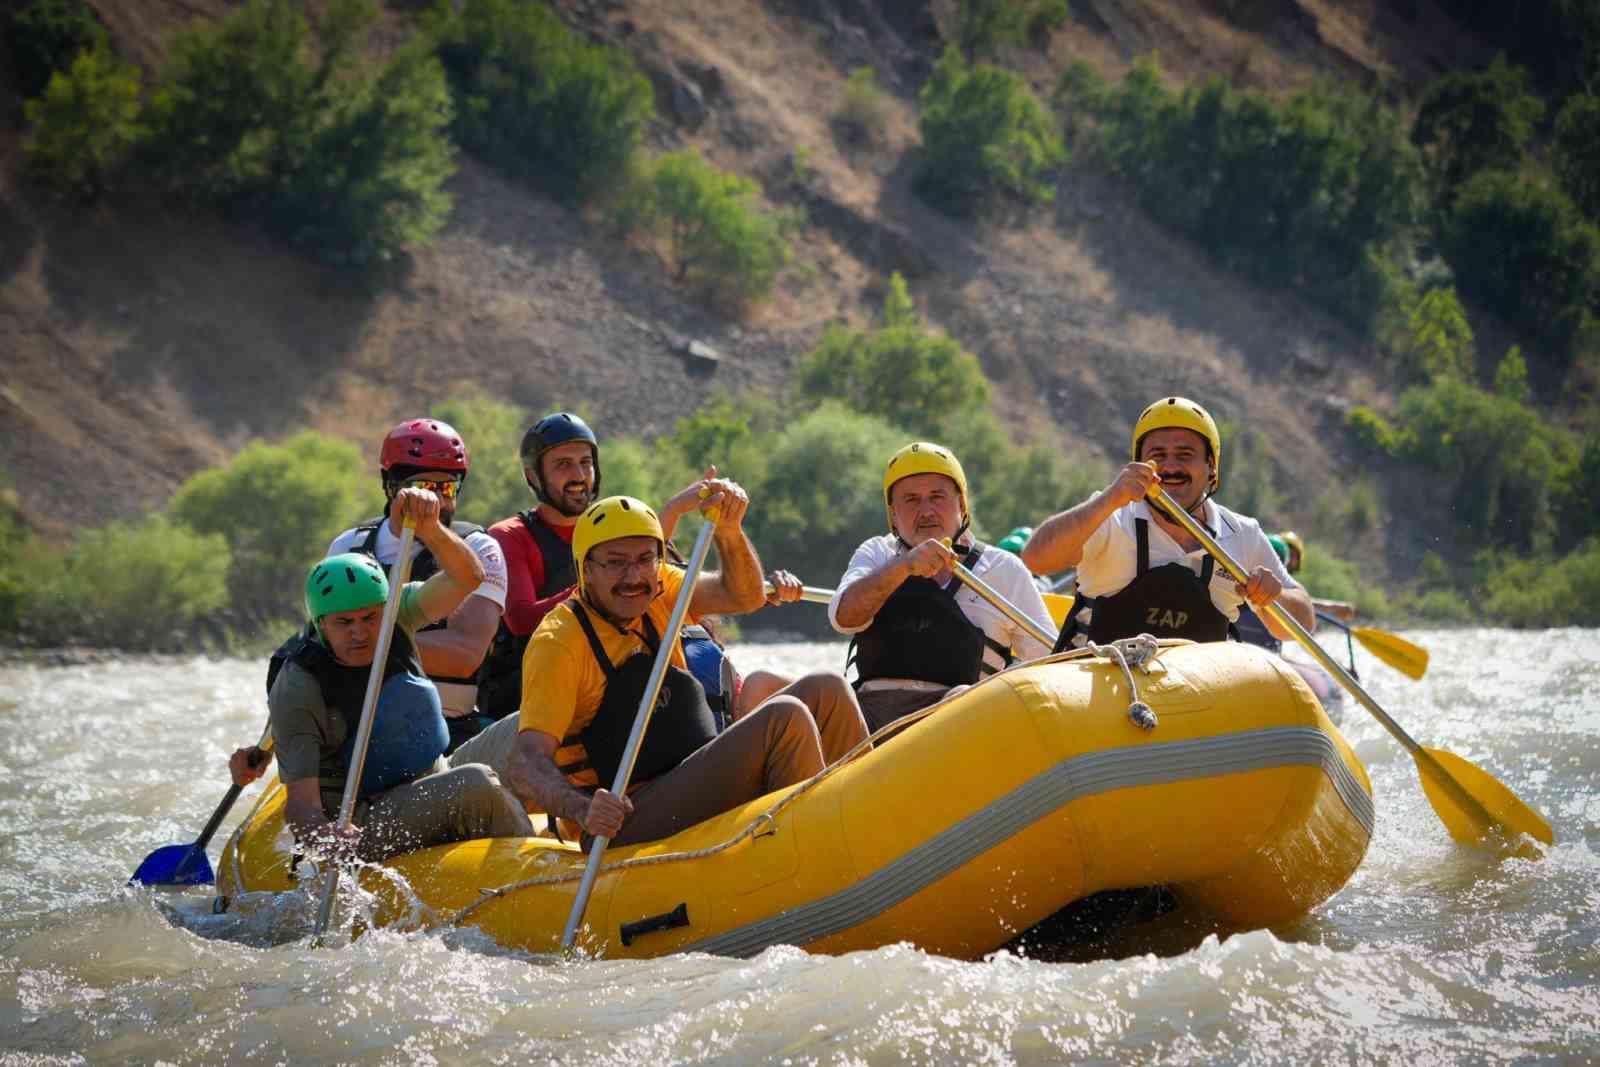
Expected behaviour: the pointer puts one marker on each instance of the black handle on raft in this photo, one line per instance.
(667, 920)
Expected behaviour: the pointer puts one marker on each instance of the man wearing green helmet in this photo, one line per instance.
(1140, 571)
(406, 801)
(917, 631)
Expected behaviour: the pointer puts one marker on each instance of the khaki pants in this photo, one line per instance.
(883, 706)
(491, 747)
(459, 804)
(787, 739)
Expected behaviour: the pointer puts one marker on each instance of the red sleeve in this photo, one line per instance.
(524, 575)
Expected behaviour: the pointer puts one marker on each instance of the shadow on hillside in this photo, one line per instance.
(16, 239)
(241, 329)
(954, 246)
(1160, 276)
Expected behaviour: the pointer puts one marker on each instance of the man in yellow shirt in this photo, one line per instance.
(586, 669)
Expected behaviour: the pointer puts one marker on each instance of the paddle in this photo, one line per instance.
(815, 595)
(1405, 657)
(1468, 800)
(811, 594)
(398, 572)
(182, 865)
(641, 719)
(1001, 604)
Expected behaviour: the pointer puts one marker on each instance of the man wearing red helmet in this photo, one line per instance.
(1140, 571)
(429, 454)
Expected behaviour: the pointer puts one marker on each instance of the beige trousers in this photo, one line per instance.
(459, 804)
(786, 739)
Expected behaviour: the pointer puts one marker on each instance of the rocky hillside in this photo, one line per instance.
(143, 341)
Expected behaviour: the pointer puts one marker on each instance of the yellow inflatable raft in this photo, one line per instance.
(1024, 793)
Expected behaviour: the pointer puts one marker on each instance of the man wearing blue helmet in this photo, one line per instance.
(561, 464)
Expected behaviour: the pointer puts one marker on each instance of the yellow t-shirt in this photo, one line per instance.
(562, 682)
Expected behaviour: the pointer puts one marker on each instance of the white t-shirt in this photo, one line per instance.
(1111, 554)
(1003, 571)
(457, 699)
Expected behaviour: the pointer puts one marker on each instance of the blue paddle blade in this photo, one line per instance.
(175, 865)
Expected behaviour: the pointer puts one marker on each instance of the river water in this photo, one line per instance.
(1432, 954)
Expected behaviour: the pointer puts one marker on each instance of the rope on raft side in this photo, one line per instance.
(1129, 652)
(1135, 651)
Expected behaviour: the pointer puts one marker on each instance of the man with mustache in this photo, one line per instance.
(917, 631)
(1140, 571)
(561, 464)
(587, 666)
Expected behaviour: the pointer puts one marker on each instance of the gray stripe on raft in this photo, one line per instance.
(1082, 776)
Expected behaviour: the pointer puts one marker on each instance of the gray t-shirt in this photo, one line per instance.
(306, 733)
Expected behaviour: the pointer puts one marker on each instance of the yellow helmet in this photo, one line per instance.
(925, 457)
(1292, 539)
(609, 519)
(1176, 413)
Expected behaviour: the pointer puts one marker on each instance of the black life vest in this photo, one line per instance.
(1252, 630)
(500, 676)
(681, 723)
(920, 632)
(408, 731)
(1166, 601)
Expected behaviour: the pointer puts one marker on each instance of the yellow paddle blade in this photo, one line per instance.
(1059, 606)
(1509, 816)
(1405, 657)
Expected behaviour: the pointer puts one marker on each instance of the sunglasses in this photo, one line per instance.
(446, 488)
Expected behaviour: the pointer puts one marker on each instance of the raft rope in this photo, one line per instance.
(1127, 653)
(1135, 651)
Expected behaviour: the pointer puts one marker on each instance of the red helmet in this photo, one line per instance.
(423, 445)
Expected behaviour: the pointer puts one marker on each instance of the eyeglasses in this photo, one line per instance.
(621, 567)
(444, 487)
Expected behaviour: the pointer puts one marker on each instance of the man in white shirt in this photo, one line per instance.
(918, 631)
(429, 454)
(1140, 571)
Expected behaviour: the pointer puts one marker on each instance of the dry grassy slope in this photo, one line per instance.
(143, 342)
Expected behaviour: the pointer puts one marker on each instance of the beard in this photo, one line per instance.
(573, 499)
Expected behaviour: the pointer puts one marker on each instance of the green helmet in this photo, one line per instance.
(344, 582)
(1013, 541)
(1280, 546)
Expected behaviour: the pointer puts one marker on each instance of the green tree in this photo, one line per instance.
(1523, 251)
(1511, 377)
(132, 585)
(1305, 192)
(823, 492)
(1495, 455)
(983, 132)
(46, 35)
(982, 26)
(903, 372)
(278, 506)
(711, 222)
(539, 101)
(1578, 492)
(1471, 122)
(1436, 340)
(267, 120)
(85, 124)
(1576, 151)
